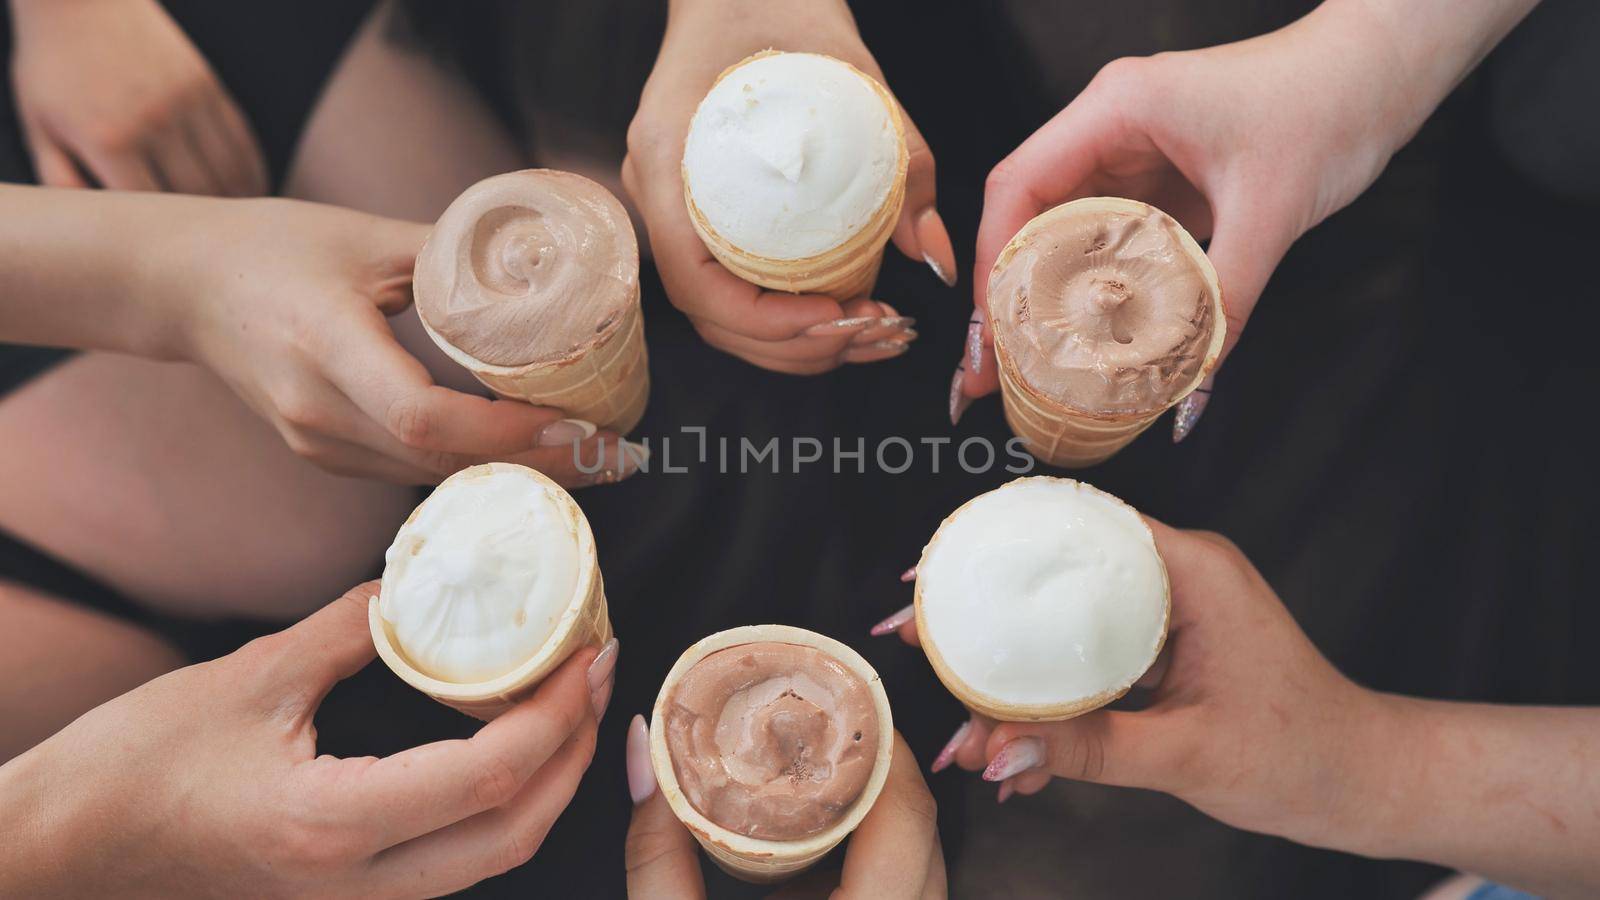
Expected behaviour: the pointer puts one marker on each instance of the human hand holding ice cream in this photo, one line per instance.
(490, 584)
(215, 785)
(792, 171)
(894, 852)
(1248, 145)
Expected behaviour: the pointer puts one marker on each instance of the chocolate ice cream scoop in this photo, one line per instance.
(772, 740)
(1105, 311)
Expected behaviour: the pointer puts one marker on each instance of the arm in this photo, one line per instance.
(1250, 724)
(207, 780)
(286, 302)
(1509, 793)
(84, 270)
(1248, 144)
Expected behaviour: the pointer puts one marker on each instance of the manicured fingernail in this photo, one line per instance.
(894, 622)
(877, 351)
(936, 250)
(975, 341)
(1006, 791)
(948, 754)
(908, 575)
(840, 326)
(641, 776)
(599, 676)
(959, 401)
(1016, 756)
(635, 457)
(886, 328)
(562, 432)
(1188, 415)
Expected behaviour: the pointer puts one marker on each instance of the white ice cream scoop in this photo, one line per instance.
(794, 172)
(488, 586)
(1042, 599)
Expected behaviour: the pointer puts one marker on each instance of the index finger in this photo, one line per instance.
(701, 287)
(1052, 166)
(424, 789)
(893, 852)
(394, 389)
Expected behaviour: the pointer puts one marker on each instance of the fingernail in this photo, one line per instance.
(563, 432)
(975, 341)
(908, 575)
(894, 622)
(934, 239)
(840, 326)
(1006, 791)
(890, 345)
(641, 776)
(1188, 415)
(887, 327)
(948, 754)
(1016, 756)
(599, 676)
(959, 401)
(635, 457)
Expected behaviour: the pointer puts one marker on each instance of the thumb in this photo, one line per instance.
(1247, 243)
(920, 233)
(661, 857)
(326, 647)
(1127, 749)
(395, 245)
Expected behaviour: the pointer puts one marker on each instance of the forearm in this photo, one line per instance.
(1510, 793)
(34, 861)
(1431, 44)
(94, 269)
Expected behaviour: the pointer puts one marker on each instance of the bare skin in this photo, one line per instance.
(47, 688)
(1250, 724)
(195, 495)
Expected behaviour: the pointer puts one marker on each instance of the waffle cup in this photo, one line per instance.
(1058, 434)
(991, 706)
(847, 271)
(753, 859)
(602, 377)
(607, 384)
(584, 623)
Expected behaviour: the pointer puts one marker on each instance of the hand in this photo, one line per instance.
(111, 92)
(798, 334)
(1247, 721)
(289, 309)
(207, 780)
(1248, 144)
(894, 853)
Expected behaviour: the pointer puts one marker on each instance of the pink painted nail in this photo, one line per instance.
(959, 401)
(563, 432)
(1017, 756)
(951, 747)
(1006, 790)
(908, 575)
(599, 676)
(641, 777)
(894, 622)
(975, 341)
